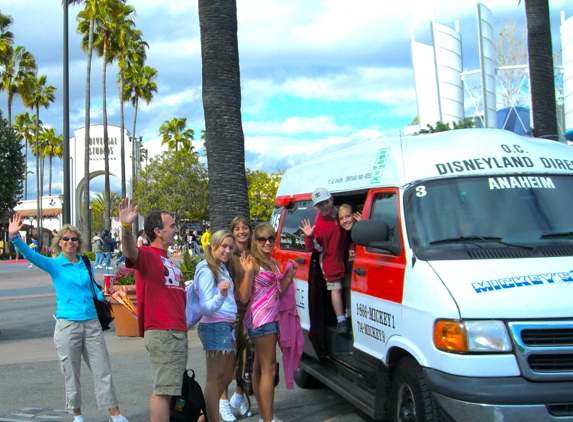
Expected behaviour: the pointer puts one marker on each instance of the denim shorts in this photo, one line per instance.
(265, 330)
(217, 336)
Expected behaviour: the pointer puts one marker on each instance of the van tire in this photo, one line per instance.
(410, 398)
(304, 380)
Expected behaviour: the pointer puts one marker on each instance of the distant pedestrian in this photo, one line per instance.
(34, 246)
(78, 331)
(142, 239)
(206, 238)
(195, 243)
(121, 259)
(108, 247)
(98, 249)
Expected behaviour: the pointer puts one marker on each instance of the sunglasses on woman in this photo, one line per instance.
(263, 239)
(66, 239)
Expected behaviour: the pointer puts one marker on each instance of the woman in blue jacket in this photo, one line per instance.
(78, 331)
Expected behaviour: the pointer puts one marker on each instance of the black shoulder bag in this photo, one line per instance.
(103, 309)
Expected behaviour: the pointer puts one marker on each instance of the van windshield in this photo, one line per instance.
(521, 211)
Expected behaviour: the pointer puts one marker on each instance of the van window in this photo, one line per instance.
(475, 212)
(292, 237)
(385, 208)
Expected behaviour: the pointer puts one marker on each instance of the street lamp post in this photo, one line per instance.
(61, 198)
(66, 213)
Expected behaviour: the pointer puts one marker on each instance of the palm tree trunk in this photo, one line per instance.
(133, 164)
(107, 206)
(122, 126)
(10, 96)
(135, 227)
(225, 143)
(26, 171)
(541, 74)
(38, 194)
(86, 200)
(50, 184)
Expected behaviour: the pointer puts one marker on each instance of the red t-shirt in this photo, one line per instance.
(160, 291)
(329, 238)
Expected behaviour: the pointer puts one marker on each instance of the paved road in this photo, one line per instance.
(32, 388)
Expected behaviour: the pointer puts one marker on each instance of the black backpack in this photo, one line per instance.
(190, 404)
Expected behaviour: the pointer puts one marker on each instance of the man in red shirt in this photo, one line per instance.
(328, 238)
(161, 302)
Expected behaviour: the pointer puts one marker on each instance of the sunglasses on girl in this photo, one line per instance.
(263, 239)
(66, 239)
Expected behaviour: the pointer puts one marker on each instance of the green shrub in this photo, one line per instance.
(188, 266)
(91, 255)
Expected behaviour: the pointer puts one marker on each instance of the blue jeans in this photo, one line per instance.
(108, 259)
(99, 258)
(196, 248)
(120, 259)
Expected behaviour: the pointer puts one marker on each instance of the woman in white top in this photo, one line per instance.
(214, 287)
(142, 239)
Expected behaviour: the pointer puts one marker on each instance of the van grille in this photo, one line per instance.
(548, 337)
(557, 250)
(551, 363)
(499, 253)
(544, 350)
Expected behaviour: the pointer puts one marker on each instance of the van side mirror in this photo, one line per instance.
(376, 234)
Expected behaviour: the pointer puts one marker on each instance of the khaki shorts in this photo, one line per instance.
(334, 284)
(168, 353)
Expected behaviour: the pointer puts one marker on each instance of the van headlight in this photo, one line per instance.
(471, 336)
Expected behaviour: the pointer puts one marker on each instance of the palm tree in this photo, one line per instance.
(17, 69)
(225, 144)
(138, 84)
(541, 73)
(86, 19)
(24, 127)
(174, 133)
(52, 145)
(6, 37)
(39, 95)
(131, 51)
(110, 13)
(98, 209)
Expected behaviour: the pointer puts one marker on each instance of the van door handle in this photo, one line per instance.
(300, 261)
(360, 271)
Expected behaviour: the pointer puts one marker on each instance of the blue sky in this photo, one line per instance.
(315, 75)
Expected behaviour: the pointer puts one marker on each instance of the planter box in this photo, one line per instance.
(125, 322)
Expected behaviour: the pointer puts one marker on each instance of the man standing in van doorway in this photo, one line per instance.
(328, 238)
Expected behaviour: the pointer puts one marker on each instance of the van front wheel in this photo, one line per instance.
(410, 398)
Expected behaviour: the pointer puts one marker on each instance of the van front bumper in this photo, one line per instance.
(471, 399)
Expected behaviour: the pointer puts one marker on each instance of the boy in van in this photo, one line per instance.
(328, 238)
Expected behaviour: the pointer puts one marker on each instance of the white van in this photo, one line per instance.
(461, 291)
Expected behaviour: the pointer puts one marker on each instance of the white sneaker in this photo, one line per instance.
(98, 266)
(239, 403)
(31, 266)
(225, 411)
(118, 418)
(109, 268)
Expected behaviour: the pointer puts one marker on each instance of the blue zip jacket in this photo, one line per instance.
(72, 282)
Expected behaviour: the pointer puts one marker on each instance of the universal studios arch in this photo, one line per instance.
(97, 163)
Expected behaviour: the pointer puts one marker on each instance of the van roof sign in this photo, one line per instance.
(400, 161)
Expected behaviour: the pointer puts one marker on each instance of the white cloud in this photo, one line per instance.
(297, 125)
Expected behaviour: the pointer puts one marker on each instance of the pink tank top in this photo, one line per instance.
(263, 308)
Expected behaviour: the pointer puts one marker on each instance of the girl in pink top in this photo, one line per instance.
(261, 289)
